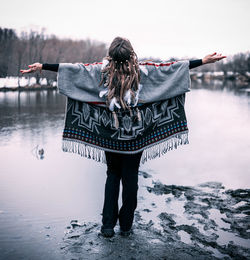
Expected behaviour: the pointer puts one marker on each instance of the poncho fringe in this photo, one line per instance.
(149, 153)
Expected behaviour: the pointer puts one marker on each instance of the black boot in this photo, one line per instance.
(126, 233)
(107, 232)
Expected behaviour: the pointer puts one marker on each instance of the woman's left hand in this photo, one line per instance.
(211, 58)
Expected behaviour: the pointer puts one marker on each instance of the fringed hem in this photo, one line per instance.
(84, 150)
(164, 146)
(149, 153)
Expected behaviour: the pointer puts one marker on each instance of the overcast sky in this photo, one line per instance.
(159, 28)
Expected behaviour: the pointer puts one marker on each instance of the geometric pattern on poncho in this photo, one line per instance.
(94, 126)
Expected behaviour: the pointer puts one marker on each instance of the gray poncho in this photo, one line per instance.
(90, 128)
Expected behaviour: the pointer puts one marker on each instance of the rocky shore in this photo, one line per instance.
(172, 222)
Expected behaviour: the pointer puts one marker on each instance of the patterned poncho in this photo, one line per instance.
(155, 124)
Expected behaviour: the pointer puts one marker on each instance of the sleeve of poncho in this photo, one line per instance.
(158, 81)
(79, 81)
(164, 80)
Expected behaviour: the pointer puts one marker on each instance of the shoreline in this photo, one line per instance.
(235, 84)
(28, 88)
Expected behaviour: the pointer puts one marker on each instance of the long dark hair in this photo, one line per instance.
(122, 73)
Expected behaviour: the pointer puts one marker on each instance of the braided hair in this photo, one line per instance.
(122, 73)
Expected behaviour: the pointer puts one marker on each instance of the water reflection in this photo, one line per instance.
(219, 146)
(35, 194)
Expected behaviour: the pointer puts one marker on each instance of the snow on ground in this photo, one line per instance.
(12, 82)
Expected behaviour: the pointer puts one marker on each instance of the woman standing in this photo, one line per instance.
(135, 111)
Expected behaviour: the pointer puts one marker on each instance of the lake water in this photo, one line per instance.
(39, 197)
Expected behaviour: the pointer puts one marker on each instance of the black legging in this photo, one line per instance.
(121, 167)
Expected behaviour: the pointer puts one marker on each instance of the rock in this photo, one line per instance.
(142, 224)
(168, 200)
(76, 224)
(167, 219)
(147, 210)
(192, 208)
(176, 191)
(144, 174)
(239, 226)
(212, 185)
(208, 224)
(73, 236)
(240, 194)
(196, 235)
(154, 205)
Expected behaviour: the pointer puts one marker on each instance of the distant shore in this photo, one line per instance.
(13, 83)
(239, 79)
(28, 88)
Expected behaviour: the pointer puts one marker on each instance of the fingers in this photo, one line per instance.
(216, 57)
(26, 71)
(219, 57)
(33, 66)
(222, 57)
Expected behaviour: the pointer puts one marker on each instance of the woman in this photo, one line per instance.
(127, 89)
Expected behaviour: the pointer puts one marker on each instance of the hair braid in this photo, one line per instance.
(122, 74)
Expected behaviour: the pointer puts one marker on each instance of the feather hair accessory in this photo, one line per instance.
(114, 103)
(137, 94)
(127, 97)
(103, 93)
(105, 62)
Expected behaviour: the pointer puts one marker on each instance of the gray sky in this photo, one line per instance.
(159, 28)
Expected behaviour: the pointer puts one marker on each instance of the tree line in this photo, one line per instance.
(18, 51)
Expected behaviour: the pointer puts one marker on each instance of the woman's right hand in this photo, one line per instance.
(211, 58)
(32, 68)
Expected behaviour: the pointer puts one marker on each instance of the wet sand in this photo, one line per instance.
(214, 224)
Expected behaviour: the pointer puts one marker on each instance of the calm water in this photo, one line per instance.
(39, 197)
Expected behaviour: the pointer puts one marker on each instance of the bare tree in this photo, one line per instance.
(7, 39)
(20, 48)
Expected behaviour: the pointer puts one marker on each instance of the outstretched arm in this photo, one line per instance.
(210, 58)
(195, 63)
(39, 67)
(51, 67)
